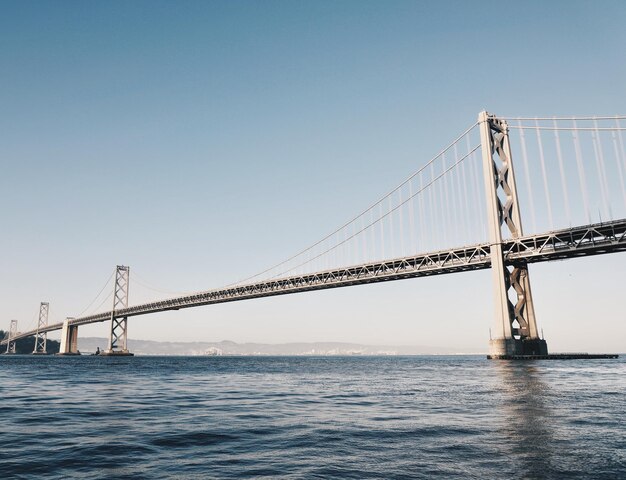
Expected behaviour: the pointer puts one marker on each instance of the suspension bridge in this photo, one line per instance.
(460, 211)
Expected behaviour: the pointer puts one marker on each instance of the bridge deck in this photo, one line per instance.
(573, 242)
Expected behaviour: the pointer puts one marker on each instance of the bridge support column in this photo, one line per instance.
(515, 324)
(118, 335)
(12, 334)
(41, 338)
(69, 339)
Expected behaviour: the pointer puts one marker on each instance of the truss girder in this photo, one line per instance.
(587, 240)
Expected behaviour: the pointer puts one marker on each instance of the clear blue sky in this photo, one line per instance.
(199, 142)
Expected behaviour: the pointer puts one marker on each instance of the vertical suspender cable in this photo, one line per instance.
(581, 171)
(454, 211)
(422, 216)
(546, 188)
(326, 262)
(619, 165)
(471, 206)
(621, 143)
(401, 221)
(363, 241)
(475, 206)
(373, 230)
(451, 214)
(306, 265)
(355, 242)
(477, 200)
(350, 243)
(345, 249)
(606, 192)
(382, 231)
(482, 214)
(432, 211)
(559, 155)
(440, 219)
(413, 248)
(465, 208)
(443, 209)
(389, 214)
(529, 188)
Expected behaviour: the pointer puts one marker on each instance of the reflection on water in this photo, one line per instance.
(525, 421)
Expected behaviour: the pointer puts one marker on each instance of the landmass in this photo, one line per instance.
(227, 347)
(26, 345)
(88, 345)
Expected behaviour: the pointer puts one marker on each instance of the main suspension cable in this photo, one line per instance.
(454, 165)
(367, 210)
(97, 296)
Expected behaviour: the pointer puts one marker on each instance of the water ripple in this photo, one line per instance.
(313, 417)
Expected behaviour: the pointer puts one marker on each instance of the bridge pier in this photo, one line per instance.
(69, 338)
(515, 324)
(118, 334)
(41, 338)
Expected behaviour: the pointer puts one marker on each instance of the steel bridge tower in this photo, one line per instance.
(515, 324)
(12, 334)
(118, 334)
(41, 338)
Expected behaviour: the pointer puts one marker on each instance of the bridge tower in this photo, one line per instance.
(69, 338)
(12, 334)
(118, 335)
(41, 338)
(515, 324)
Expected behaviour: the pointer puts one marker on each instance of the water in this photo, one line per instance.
(311, 417)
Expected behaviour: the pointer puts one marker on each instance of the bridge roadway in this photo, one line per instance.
(595, 239)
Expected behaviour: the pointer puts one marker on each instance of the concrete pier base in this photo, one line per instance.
(505, 346)
(556, 356)
(535, 346)
(508, 347)
(116, 353)
(69, 339)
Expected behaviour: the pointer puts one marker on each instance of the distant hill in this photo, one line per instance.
(226, 347)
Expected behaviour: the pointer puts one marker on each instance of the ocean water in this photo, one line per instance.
(311, 417)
